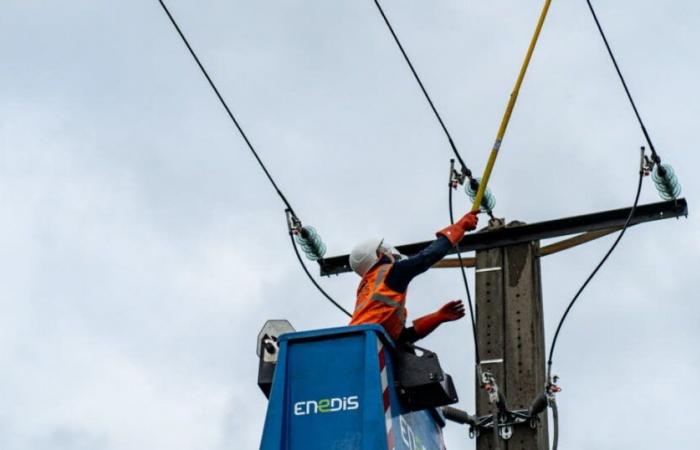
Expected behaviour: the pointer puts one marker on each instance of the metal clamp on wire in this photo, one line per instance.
(540, 403)
(553, 388)
(488, 384)
(501, 417)
(293, 222)
(647, 163)
(457, 178)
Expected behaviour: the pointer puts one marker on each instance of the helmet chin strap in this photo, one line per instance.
(385, 252)
(390, 252)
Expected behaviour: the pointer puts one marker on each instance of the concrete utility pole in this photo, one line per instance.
(509, 313)
(510, 330)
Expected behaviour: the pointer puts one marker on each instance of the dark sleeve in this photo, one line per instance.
(405, 270)
(408, 335)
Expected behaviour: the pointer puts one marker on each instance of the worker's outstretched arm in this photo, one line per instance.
(406, 269)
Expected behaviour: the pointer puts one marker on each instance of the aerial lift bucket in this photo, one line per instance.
(336, 389)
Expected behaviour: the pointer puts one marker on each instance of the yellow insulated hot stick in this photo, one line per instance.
(509, 110)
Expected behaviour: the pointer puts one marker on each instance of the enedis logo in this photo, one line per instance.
(326, 405)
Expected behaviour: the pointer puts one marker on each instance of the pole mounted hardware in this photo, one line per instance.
(306, 236)
(512, 235)
(471, 187)
(503, 421)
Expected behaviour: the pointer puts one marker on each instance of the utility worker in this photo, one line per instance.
(381, 296)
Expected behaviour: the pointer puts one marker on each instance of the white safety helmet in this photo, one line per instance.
(368, 253)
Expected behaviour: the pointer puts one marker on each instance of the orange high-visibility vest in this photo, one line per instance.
(378, 303)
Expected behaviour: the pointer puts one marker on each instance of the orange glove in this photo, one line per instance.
(455, 232)
(425, 325)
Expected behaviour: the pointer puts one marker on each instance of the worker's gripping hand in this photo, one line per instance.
(450, 311)
(469, 221)
(455, 232)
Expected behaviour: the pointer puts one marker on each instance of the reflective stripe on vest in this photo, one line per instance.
(386, 300)
(381, 275)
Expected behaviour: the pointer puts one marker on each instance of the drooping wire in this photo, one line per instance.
(313, 246)
(465, 168)
(552, 400)
(308, 274)
(597, 268)
(463, 270)
(555, 420)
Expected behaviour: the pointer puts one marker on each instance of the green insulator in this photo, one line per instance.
(666, 182)
(311, 244)
(488, 201)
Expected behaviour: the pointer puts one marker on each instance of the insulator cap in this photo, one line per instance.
(666, 182)
(488, 201)
(311, 244)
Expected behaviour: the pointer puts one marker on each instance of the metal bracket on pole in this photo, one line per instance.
(483, 424)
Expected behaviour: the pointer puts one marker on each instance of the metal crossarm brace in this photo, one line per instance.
(512, 235)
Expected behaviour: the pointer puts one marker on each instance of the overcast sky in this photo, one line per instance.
(141, 248)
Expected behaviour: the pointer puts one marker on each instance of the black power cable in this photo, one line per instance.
(308, 274)
(655, 156)
(465, 169)
(595, 271)
(552, 401)
(464, 273)
(555, 420)
(225, 105)
(250, 146)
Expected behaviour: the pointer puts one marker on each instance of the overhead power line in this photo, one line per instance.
(622, 79)
(225, 105)
(465, 168)
(252, 150)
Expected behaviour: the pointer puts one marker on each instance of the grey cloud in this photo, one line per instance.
(142, 248)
